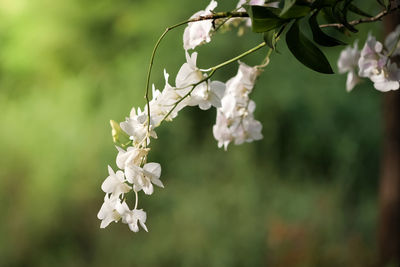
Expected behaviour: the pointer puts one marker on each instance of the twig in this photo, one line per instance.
(379, 16)
(220, 15)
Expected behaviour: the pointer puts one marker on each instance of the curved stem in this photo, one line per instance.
(151, 66)
(238, 57)
(136, 199)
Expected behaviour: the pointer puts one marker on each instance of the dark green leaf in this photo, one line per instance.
(287, 5)
(264, 18)
(296, 11)
(305, 51)
(384, 3)
(341, 15)
(358, 11)
(381, 3)
(319, 36)
(270, 38)
(323, 3)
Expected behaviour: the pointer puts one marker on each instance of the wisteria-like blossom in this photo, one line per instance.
(131, 217)
(206, 93)
(193, 88)
(115, 183)
(373, 62)
(348, 62)
(197, 33)
(107, 212)
(235, 120)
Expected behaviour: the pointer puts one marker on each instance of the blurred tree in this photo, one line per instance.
(389, 188)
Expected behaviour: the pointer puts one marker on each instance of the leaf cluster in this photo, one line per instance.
(285, 20)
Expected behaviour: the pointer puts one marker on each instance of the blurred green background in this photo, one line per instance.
(306, 195)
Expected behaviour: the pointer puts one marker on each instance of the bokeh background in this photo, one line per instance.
(306, 195)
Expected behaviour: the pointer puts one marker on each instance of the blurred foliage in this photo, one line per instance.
(303, 196)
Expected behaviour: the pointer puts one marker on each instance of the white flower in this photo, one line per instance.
(136, 127)
(243, 82)
(197, 33)
(188, 74)
(235, 120)
(348, 62)
(132, 156)
(152, 171)
(115, 183)
(238, 88)
(221, 131)
(205, 94)
(249, 131)
(387, 78)
(107, 212)
(375, 64)
(371, 58)
(144, 178)
(392, 40)
(163, 102)
(132, 217)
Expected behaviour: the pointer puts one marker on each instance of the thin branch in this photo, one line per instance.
(220, 15)
(379, 16)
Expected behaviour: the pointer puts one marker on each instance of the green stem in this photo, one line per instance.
(238, 57)
(151, 66)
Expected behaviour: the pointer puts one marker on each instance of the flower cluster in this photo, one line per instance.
(373, 62)
(235, 123)
(235, 120)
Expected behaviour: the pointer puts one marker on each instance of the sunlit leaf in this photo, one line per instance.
(270, 38)
(264, 18)
(296, 11)
(287, 5)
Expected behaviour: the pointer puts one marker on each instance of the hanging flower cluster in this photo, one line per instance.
(235, 120)
(193, 87)
(373, 62)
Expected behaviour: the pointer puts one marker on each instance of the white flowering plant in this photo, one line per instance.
(235, 121)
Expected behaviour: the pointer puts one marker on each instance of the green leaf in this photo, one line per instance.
(323, 3)
(305, 51)
(270, 38)
(264, 19)
(384, 3)
(341, 15)
(296, 11)
(287, 5)
(358, 11)
(319, 36)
